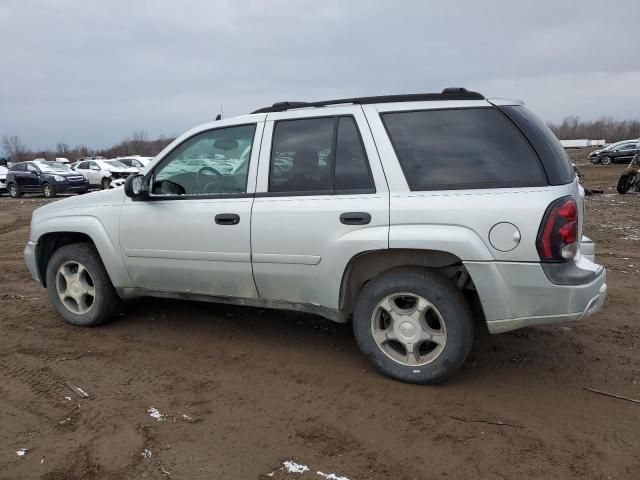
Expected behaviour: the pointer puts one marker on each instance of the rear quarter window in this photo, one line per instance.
(462, 149)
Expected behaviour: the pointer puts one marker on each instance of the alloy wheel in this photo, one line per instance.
(408, 329)
(75, 287)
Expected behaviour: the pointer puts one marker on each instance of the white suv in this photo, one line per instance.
(105, 173)
(406, 215)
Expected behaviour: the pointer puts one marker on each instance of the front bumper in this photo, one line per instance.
(517, 295)
(31, 260)
(62, 187)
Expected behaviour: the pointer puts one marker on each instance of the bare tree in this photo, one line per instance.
(63, 150)
(14, 148)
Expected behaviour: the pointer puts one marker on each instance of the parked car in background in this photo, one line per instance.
(360, 228)
(135, 161)
(62, 160)
(619, 152)
(3, 179)
(105, 173)
(50, 178)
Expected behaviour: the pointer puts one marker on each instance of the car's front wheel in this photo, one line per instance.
(606, 160)
(48, 190)
(413, 325)
(14, 191)
(106, 181)
(79, 287)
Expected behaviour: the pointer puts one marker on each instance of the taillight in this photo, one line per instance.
(558, 234)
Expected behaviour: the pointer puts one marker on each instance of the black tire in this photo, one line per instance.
(104, 184)
(606, 160)
(105, 301)
(624, 183)
(444, 296)
(14, 191)
(48, 190)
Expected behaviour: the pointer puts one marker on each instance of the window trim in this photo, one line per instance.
(332, 191)
(150, 176)
(466, 186)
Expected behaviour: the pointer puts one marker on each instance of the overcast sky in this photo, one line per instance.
(92, 72)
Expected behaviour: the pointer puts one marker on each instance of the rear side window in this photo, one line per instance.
(19, 167)
(462, 149)
(319, 156)
(553, 156)
(352, 167)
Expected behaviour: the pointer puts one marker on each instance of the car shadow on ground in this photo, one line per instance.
(178, 322)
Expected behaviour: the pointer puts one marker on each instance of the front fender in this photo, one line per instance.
(108, 246)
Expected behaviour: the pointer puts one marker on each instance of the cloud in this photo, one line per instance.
(93, 72)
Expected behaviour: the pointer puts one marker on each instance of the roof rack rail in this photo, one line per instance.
(450, 93)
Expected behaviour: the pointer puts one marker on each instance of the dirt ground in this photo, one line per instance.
(239, 391)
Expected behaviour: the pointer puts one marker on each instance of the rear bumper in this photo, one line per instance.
(517, 295)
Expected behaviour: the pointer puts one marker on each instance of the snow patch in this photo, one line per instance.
(21, 452)
(332, 476)
(155, 413)
(293, 467)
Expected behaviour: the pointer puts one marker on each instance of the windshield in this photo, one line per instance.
(116, 163)
(53, 167)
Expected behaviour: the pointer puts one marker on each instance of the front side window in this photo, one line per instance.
(31, 168)
(321, 155)
(462, 148)
(210, 163)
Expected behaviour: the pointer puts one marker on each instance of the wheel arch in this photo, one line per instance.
(365, 266)
(79, 229)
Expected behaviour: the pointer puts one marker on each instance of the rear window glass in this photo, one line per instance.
(462, 149)
(554, 158)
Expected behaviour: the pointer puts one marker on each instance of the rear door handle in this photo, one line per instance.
(227, 219)
(355, 218)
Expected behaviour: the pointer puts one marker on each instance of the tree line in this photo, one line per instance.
(607, 128)
(137, 144)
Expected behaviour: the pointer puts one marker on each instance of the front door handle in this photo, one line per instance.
(227, 219)
(355, 218)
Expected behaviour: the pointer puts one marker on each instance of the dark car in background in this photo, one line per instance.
(619, 152)
(48, 178)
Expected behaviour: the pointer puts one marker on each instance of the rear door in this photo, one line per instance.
(321, 199)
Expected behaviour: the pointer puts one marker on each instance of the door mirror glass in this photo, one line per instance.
(136, 187)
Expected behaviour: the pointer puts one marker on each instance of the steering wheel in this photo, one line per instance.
(200, 180)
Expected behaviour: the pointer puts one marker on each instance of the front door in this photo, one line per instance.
(192, 234)
(31, 180)
(321, 200)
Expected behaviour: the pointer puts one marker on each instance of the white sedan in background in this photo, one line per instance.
(135, 161)
(105, 173)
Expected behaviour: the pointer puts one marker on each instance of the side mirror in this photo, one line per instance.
(136, 187)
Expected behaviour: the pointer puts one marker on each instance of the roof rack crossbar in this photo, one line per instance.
(451, 93)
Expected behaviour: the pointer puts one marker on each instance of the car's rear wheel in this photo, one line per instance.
(606, 160)
(79, 287)
(106, 181)
(48, 190)
(413, 325)
(14, 191)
